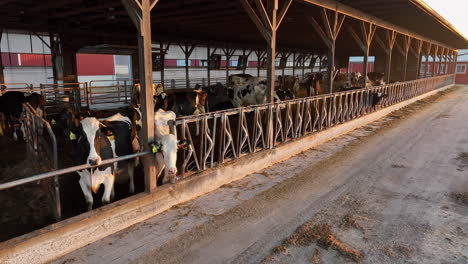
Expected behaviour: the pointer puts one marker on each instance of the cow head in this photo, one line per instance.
(94, 141)
(69, 121)
(169, 145)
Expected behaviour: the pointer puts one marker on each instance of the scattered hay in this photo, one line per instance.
(403, 250)
(316, 258)
(460, 198)
(398, 166)
(266, 174)
(349, 221)
(281, 249)
(227, 185)
(172, 228)
(398, 251)
(322, 234)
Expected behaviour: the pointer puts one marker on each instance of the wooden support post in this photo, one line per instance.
(267, 20)
(329, 33)
(164, 50)
(428, 53)
(417, 53)
(2, 74)
(436, 50)
(294, 64)
(406, 48)
(187, 50)
(140, 14)
(391, 38)
(364, 40)
(56, 57)
(228, 52)
(260, 55)
(208, 73)
(243, 54)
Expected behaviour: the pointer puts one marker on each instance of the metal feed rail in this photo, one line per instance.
(218, 137)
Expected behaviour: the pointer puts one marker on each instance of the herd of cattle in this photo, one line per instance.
(97, 136)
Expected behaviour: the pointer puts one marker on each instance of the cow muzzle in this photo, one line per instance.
(172, 171)
(94, 161)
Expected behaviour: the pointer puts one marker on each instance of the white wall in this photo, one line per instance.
(30, 75)
(20, 42)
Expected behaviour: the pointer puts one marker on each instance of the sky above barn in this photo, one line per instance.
(453, 11)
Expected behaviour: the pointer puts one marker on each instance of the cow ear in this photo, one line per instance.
(183, 144)
(107, 131)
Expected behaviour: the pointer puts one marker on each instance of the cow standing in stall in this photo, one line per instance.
(11, 105)
(98, 141)
(166, 146)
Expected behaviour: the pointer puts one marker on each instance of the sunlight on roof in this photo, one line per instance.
(453, 11)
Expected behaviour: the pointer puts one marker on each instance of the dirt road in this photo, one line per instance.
(395, 191)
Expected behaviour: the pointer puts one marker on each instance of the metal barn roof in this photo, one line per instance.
(94, 22)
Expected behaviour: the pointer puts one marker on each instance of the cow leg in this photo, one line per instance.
(112, 195)
(131, 168)
(85, 187)
(108, 189)
(160, 167)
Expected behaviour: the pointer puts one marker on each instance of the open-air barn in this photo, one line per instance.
(247, 51)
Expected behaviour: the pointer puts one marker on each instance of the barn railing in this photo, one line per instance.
(218, 137)
(109, 92)
(42, 151)
(59, 96)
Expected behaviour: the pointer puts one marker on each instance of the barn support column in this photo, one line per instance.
(450, 65)
(329, 32)
(404, 52)
(418, 55)
(428, 53)
(260, 55)
(140, 14)
(228, 52)
(208, 73)
(294, 64)
(209, 54)
(455, 62)
(387, 46)
(436, 51)
(364, 41)
(70, 73)
(187, 50)
(243, 54)
(447, 59)
(56, 57)
(2, 74)
(164, 49)
(267, 22)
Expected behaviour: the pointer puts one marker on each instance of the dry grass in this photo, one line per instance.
(349, 221)
(460, 198)
(316, 258)
(322, 234)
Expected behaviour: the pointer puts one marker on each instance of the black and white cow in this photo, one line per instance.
(168, 145)
(218, 98)
(98, 141)
(11, 105)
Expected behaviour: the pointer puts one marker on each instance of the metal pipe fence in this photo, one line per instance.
(42, 149)
(219, 137)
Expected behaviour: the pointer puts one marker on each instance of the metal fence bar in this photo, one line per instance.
(61, 172)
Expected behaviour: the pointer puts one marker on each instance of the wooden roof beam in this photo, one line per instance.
(359, 15)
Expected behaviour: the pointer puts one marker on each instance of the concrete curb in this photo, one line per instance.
(64, 237)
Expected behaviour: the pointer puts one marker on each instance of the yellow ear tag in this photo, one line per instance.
(111, 137)
(72, 136)
(154, 149)
(1, 130)
(53, 122)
